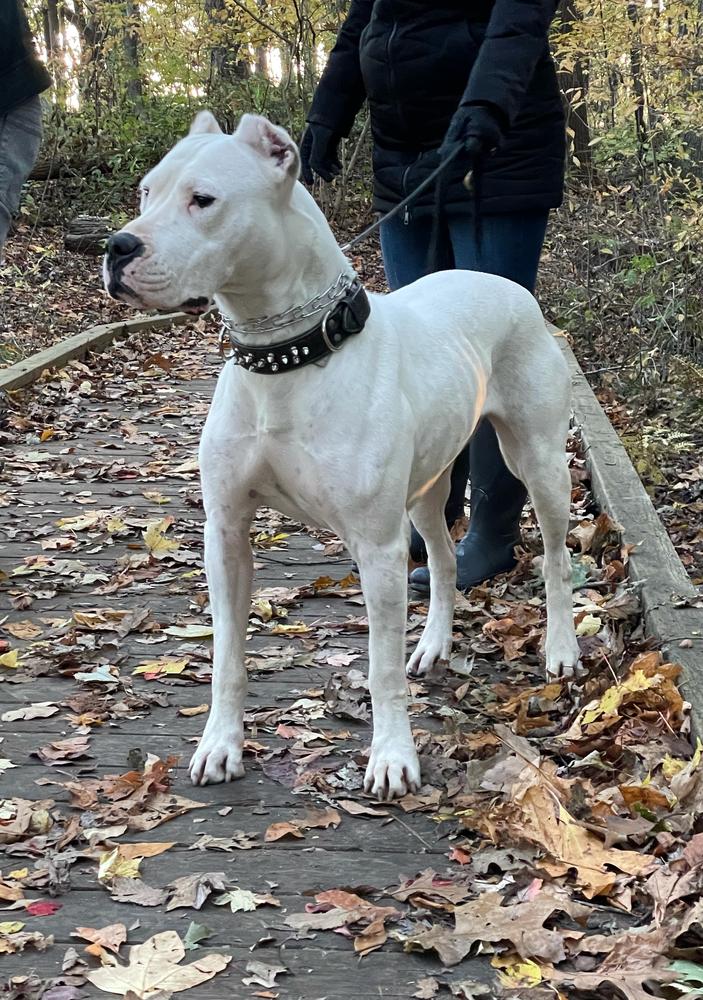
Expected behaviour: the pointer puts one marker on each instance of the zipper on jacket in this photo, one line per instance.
(391, 84)
(404, 193)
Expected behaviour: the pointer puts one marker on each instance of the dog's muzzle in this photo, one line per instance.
(121, 249)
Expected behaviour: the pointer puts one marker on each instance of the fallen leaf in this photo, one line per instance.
(39, 710)
(154, 968)
(190, 631)
(164, 666)
(195, 934)
(63, 751)
(155, 540)
(262, 974)
(244, 900)
(43, 908)
(110, 938)
(194, 890)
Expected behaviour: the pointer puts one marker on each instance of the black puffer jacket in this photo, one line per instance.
(22, 74)
(414, 60)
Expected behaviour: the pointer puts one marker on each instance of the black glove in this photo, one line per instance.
(476, 129)
(318, 153)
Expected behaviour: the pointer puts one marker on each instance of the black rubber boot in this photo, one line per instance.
(497, 499)
(454, 508)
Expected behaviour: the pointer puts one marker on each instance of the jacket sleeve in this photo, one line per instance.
(340, 92)
(516, 38)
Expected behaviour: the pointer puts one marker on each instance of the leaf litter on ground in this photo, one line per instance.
(570, 818)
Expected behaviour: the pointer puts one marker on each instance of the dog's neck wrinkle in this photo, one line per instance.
(305, 239)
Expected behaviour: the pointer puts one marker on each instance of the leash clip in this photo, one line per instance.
(224, 345)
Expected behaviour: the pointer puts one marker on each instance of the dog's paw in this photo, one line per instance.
(430, 652)
(563, 659)
(392, 771)
(217, 759)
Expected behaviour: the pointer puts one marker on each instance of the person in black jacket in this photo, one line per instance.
(22, 78)
(475, 73)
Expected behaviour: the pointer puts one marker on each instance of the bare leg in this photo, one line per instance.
(229, 568)
(436, 641)
(393, 767)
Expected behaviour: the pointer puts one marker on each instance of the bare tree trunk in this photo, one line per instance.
(130, 47)
(636, 70)
(573, 80)
(225, 64)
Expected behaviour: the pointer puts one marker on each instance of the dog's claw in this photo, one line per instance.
(216, 760)
(392, 772)
(431, 654)
(563, 659)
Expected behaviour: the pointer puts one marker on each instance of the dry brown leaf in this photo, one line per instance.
(194, 890)
(154, 968)
(109, 938)
(521, 924)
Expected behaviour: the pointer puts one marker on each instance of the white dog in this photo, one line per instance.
(356, 442)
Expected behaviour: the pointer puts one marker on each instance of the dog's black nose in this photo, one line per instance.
(124, 245)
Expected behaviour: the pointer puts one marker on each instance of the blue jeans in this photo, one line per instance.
(20, 137)
(510, 246)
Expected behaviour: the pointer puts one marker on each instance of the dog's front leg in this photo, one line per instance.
(393, 767)
(229, 568)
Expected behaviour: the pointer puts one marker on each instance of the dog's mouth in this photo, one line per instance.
(196, 306)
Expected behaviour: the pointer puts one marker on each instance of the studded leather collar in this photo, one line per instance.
(345, 319)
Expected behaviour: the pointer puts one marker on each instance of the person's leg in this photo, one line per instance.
(20, 138)
(510, 246)
(405, 247)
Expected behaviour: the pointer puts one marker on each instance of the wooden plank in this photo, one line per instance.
(29, 369)
(669, 598)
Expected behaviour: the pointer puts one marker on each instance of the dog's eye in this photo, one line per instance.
(202, 200)
(144, 193)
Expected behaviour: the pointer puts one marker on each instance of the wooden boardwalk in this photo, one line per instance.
(93, 456)
(292, 883)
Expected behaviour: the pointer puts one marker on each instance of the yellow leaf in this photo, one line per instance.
(11, 927)
(612, 699)
(295, 628)
(262, 608)
(47, 434)
(155, 540)
(79, 523)
(190, 631)
(114, 525)
(10, 659)
(589, 625)
(265, 540)
(113, 864)
(517, 972)
(19, 873)
(156, 496)
(162, 666)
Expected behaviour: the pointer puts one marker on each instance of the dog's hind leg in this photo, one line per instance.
(393, 768)
(540, 461)
(229, 567)
(428, 516)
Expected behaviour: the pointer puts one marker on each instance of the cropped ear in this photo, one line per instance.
(204, 122)
(272, 142)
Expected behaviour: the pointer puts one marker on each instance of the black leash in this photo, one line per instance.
(428, 182)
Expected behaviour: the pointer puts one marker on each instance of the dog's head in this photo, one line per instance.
(209, 212)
